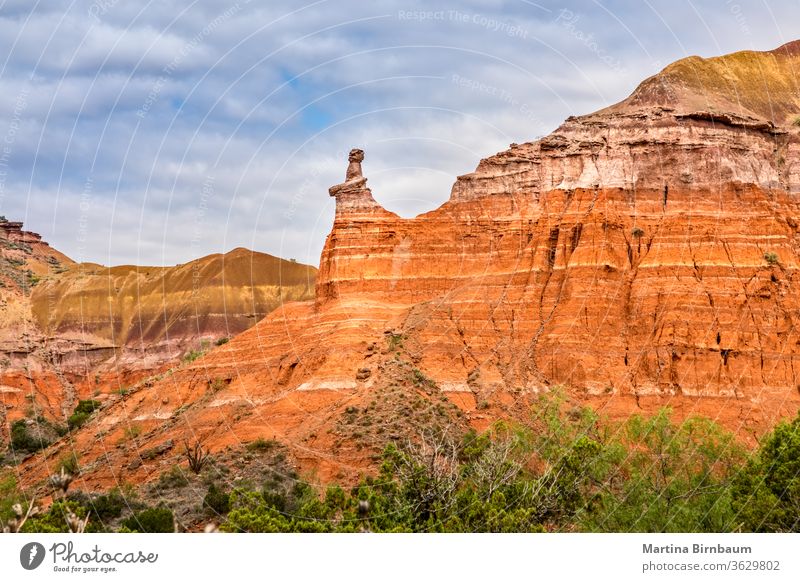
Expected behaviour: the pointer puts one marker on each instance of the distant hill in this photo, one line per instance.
(168, 309)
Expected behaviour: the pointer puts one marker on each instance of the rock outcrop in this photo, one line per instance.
(25, 260)
(641, 256)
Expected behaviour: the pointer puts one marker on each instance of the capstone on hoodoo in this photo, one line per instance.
(352, 195)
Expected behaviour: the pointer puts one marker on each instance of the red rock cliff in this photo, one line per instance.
(649, 248)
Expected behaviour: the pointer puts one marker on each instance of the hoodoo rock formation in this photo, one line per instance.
(641, 256)
(353, 196)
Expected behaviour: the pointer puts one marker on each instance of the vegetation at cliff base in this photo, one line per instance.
(565, 470)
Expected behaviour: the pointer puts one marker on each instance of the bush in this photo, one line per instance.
(420, 380)
(54, 520)
(69, 463)
(175, 478)
(132, 432)
(637, 232)
(677, 478)
(27, 438)
(796, 121)
(9, 495)
(216, 500)
(766, 494)
(261, 445)
(395, 341)
(771, 258)
(216, 384)
(87, 406)
(77, 420)
(274, 499)
(222, 341)
(197, 456)
(152, 520)
(109, 506)
(192, 355)
(250, 513)
(566, 469)
(101, 508)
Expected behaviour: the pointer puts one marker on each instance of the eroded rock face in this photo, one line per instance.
(641, 256)
(647, 249)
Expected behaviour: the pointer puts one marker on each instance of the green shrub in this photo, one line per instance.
(54, 520)
(192, 355)
(420, 380)
(274, 498)
(796, 121)
(771, 258)
(395, 341)
(250, 513)
(222, 341)
(102, 508)
(26, 438)
(151, 520)
(77, 420)
(565, 469)
(133, 431)
(217, 500)
(70, 464)
(766, 494)
(637, 232)
(175, 478)
(9, 495)
(678, 478)
(261, 445)
(108, 506)
(216, 384)
(87, 406)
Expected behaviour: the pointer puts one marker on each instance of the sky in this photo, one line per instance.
(157, 132)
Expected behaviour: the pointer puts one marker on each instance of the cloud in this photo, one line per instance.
(156, 134)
